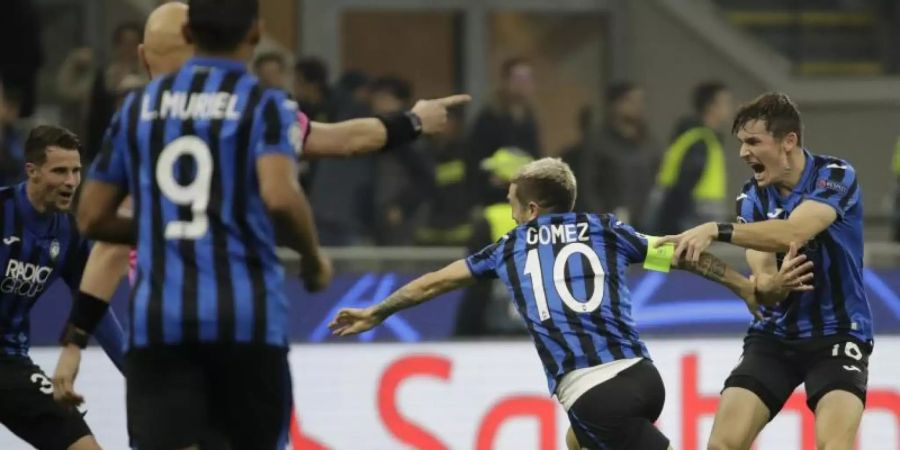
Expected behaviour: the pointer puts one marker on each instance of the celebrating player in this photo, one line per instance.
(822, 338)
(40, 245)
(209, 158)
(566, 274)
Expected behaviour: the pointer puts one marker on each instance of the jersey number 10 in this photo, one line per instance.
(533, 269)
(195, 193)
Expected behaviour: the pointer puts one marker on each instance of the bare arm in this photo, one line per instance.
(105, 268)
(98, 219)
(352, 321)
(805, 222)
(714, 269)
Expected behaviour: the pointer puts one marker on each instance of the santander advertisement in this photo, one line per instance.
(489, 395)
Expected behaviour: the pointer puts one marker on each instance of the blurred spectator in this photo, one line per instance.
(616, 170)
(12, 142)
(352, 96)
(21, 54)
(311, 89)
(448, 219)
(271, 69)
(486, 308)
(98, 91)
(403, 176)
(507, 121)
(691, 184)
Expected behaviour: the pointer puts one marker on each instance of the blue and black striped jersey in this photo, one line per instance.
(838, 305)
(566, 274)
(37, 249)
(185, 147)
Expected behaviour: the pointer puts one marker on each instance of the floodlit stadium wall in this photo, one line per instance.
(488, 395)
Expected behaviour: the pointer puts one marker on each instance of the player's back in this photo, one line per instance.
(566, 274)
(207, 269)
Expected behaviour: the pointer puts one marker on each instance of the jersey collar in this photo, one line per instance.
(219, 63)
(37, 222)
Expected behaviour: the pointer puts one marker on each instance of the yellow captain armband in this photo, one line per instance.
(658, 259)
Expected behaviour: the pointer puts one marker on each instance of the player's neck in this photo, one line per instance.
(30, 192)
(797, 162)
(239, 55)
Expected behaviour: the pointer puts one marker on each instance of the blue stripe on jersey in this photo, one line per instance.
(226, 284)
(838, 304)
(575, 333)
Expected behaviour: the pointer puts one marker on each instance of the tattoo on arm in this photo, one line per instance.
(708, 267)
(399, 300)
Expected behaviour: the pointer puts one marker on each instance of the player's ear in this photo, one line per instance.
(31, 169)
(533, 210)
(789, 141)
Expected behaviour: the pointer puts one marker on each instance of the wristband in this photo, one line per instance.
(72, 335)
(402, 128)
(725, 232)
(87, 312)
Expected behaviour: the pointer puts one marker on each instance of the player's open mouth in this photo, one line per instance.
(66, 195)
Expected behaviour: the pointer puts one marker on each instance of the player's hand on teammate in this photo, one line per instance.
(316, 272)
(692, 243)
(350, 321)
(433, 113)
(64, 377)
(795, 275)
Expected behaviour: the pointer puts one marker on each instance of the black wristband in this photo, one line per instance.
(87, 312)
(402, 128)
(72, 335)
(725, 232)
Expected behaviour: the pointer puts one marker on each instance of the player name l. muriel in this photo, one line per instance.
(197, 106)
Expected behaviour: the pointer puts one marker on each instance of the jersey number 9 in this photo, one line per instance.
(194, 194)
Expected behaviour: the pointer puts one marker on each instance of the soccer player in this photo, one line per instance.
(209, 158)
(40, 245)
(566, 274)
(822, 338)
(163, 51)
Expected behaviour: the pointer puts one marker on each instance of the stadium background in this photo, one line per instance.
(836, 58)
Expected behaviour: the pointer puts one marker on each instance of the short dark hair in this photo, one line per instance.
(220, 25)
(313, 70)
(777, 110)
(507, 67)
(618, 89)
(42, 137)
(395, 86)
(705, 94)
(269, 57)
(127, 27)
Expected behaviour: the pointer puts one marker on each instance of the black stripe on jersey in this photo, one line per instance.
(133, 115)
(18, 228)
(589, 288)
(791, 316)
(157, 247)
(272, 122)
(837, 289)
(253, 260)
(573, 318)
(139, 277)
(224, 290)
(849, 195)
(835, 176)
(190, 329)
(763, 195)
(104, 157)
(568, 361)
(512, 274)
(612, 280)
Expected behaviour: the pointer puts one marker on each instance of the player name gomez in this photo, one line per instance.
(198, 105)
(558, 234)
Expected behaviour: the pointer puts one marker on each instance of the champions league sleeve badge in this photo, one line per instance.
(54, 250)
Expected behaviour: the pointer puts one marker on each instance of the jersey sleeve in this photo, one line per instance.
(836, 186)
(484, 263)
(747, 206)
(631, 244)
(281, 130)
(111, 164)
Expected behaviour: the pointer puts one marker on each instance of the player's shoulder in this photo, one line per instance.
(826, 163)
(7, 193)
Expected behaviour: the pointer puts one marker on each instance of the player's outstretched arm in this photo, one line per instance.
(359, 136)
(98, 217)
(292, 216)
(351, 321)
(714, 269)
(774, 235)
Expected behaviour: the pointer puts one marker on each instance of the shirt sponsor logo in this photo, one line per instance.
(24, 278)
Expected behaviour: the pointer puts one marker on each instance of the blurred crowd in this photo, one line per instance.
(447, 190)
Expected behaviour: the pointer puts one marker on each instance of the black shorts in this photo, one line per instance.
(772, 368)
(215, 396)
(27, 407)
(619, 413)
